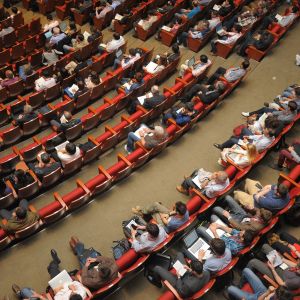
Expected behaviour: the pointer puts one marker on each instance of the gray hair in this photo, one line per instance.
(154, 89)
(159, 131)
(222, 176)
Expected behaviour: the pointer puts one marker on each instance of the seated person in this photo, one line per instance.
(76, 64)
(6, 29)
(169, 219)
(209, 93)
(19, 219)
(235, 240)
(242, 218)
(261, 41)
(260, 141)
(66, 290)
(103, 9)
(288, 277)
(95, 34)
(231, 74)
(239, 156)
(174, 26)
(80, 90)
(68, 154)
(148, 21)
(66, 121)
(245, 19)
(20, 179)
(4, 189)
(44, 166)
(227, 38)
(77, 43)
(57, 36)
(27, 115)
(127, 60)
(132, 84)
(191, 282)
(9, 79)
(260, 291)
(174, 55)
(151, 100)
(198, 68)
(272, 197)
(190, 12)
(25, 71)
(181, 114)
(46, 81)
(146, 242)
(220, 258)
(26, 293)
(288, 157)
(125, 18)
(210, 184)
(96, 270)
(226, 7)
(82, 7)
(50, 55)
(92, 80)
(113, 45)
(214, 20)
(161, 62)
(199, 31)
(147, 137)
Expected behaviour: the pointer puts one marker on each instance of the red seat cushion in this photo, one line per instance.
(126, 260)
(73, 195)
(49, 209)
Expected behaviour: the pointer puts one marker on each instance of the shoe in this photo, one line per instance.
(16, 289)
(55, 256)
(245, 114)
(180, 189)
(266, 104)
(275, 167)
(218, 146)
(126, 149)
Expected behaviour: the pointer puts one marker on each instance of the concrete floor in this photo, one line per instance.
(99, 223)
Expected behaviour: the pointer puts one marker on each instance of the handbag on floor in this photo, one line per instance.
(120, 248)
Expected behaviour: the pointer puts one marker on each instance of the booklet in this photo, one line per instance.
(73, 89)
(166, 28)
(141, 99)
(220, 232)
(86, 35)
(151, 67)
(118, 17)
(274, 258)
(179, 267)
(278, 17)
(216, 7)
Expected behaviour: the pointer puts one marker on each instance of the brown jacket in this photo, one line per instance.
(15, 224)
(92, 278)
(252, 225)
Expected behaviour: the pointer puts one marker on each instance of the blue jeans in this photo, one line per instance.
(255, 283)
(132, 138)
(26, 293)
(79, 248)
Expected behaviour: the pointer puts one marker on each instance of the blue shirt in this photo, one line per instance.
(175, 223)
(271, 201)
(233, 242)
(193, 12)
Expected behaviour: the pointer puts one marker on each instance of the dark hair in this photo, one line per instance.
(72, 25)
(295, 9)
(14, 9)
(292, 105)
(238, 27)
(80, 85)
(282, 293)
(45, 73)
(45, 157)
(75, 297)
(297, 91)
(116, 36)
(204, 58)
(20, 174)
(48, 47)
(95, 77)
(248, 237)
(138, 76)
(132, 51)
(175, 48)
(71, 148)
(21, 213)
(180, 208)
(197, 266)
(77, 57)
(80, 37)
(105, 272)
(218, 246)
(266, 215)
(152, 229)
(245, 64)
(282, 190)
(2, 186)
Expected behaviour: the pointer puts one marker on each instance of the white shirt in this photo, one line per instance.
(213, 22)
(200, 68)
(287, 20)
(126, 62)
(44, 83)
(65, 293)
(232, 38)
(66, 157)
(261, 142)
(115, 44)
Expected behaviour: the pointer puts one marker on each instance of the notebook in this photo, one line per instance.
(220, 232)
(191, 62)
(216, 7)
(220, 30)
(60, 279)
(179, 267)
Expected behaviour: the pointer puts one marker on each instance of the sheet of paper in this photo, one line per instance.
(178, 266)
(220, 232)
(86, 35)
(141, 99)
(274, 257)
(166, 28)
(132, 222)
(118, 17)
(216, 7)
(151, 66)
(137, 132)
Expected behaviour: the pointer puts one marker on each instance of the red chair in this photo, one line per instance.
(11, 135)
(100, 183)
(4, 57)
(7, 201)
(35, 26)
(51, 178)
(73, 166)
(74, 132)
(92, 153)
(53, 211)
(15, 89)
(4, 116)
(90, 121)
(17, 51)
(31, 126)
(109, 142)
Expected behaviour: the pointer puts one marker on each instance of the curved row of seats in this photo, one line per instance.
(106, 178)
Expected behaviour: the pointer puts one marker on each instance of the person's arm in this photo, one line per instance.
(293, 248)
(263, 192)
(296, 157)
(275, 274)
(267, 294)
(164, 218)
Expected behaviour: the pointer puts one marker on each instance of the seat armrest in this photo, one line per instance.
(83, 186)
(172, 289)
(104, 172)
(202, 196)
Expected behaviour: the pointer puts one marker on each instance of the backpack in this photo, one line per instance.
(120, 248)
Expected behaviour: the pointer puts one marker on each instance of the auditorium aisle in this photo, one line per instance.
(99, 223)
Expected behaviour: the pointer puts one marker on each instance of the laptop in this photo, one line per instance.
(48, 34)
(60, 279)
(194, 244)
(63, 26)
(191, 62)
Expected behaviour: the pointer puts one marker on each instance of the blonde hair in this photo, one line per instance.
(251, 152)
